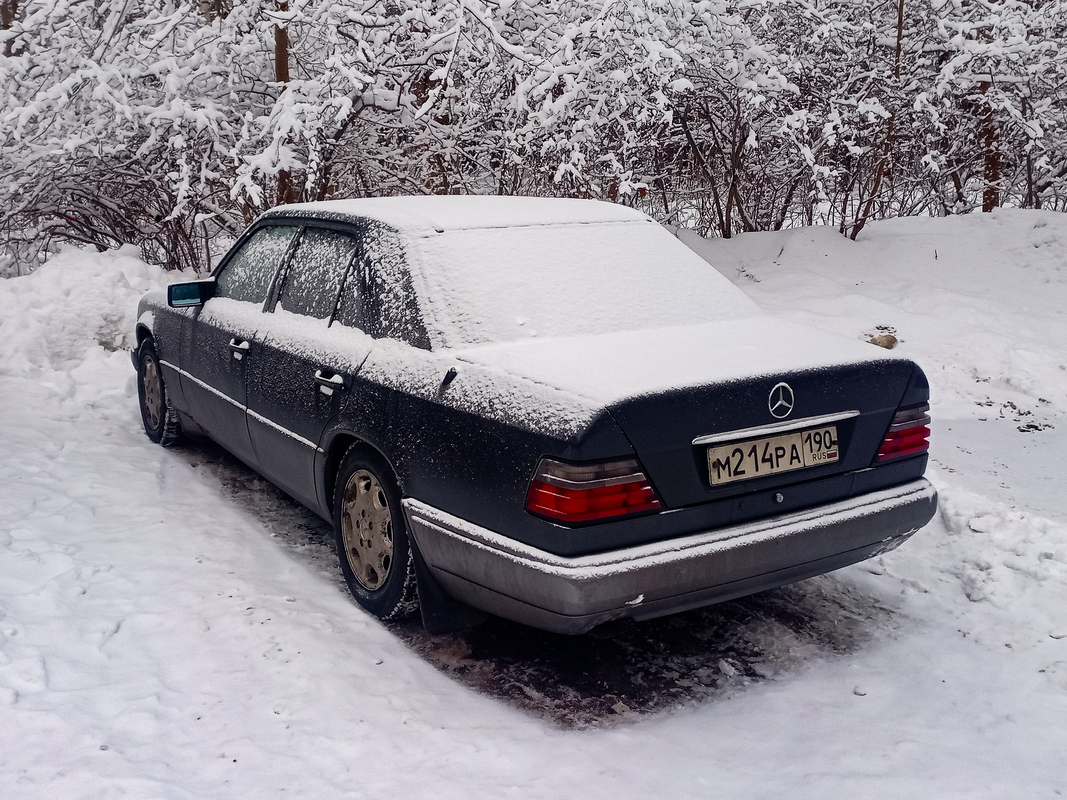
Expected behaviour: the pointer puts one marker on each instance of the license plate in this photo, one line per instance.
(757, 458)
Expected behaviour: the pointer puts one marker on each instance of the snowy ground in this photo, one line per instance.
(172, 627)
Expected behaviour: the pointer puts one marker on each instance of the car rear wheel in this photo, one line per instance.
(158, 415)
(372, 541)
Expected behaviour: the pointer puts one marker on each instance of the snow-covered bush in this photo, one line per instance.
(165, 124)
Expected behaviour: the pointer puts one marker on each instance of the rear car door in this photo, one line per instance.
(217, 348)
(303, 371)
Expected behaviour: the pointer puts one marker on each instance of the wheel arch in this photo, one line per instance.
(340, 443)
(142, 333)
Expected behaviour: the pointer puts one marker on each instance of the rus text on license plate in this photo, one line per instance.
(759, 457)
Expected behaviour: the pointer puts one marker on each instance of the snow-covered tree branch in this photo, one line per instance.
(169, 124)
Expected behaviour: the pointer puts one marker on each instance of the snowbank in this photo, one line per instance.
(156, 641)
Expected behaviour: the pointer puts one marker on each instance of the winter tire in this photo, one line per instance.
(158, 415)
(372, 541)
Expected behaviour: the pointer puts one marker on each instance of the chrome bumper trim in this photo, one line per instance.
(503, 576)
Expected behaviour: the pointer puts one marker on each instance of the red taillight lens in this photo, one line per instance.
(573, 493)
(908, 435)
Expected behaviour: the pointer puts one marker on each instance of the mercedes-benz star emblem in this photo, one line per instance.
(781, 401)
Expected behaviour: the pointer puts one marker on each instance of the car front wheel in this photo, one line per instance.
(159, 417)
(372, 541)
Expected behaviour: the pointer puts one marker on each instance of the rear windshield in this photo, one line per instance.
(502, 284)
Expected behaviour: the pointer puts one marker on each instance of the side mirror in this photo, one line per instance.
(194, 293)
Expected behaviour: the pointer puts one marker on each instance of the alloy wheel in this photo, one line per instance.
(367, 530)
(152, 393)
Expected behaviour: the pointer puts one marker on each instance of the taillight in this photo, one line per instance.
(908, 434)
(573, 493)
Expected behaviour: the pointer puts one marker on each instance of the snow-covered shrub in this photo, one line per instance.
(167, 124)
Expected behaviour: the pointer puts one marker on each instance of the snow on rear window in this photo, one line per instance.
(496, 285)
(378, 296)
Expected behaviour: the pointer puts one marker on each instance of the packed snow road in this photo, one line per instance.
(171, 626)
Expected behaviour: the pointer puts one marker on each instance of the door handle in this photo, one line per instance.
(239, 347)
(329, 383)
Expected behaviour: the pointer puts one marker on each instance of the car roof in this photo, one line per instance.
(426, 214)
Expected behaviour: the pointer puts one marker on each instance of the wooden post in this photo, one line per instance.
(987, 133)
(286, 193)
(991, 152)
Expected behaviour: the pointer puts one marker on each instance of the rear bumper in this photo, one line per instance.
(571, 595)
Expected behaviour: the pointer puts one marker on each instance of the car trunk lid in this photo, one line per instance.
(692, 442)
(675, 392)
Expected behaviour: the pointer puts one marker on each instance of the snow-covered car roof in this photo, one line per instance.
(439, 213)
(489, 269)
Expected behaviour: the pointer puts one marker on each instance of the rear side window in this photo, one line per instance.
(316, 270)
(378, 297)
(248, 274)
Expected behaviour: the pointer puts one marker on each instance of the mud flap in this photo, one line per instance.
(440, 613)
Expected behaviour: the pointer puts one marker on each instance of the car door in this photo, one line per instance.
(218, 343)
(303, 371)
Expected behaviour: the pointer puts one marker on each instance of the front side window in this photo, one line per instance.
(316, 270)
(248, 274)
